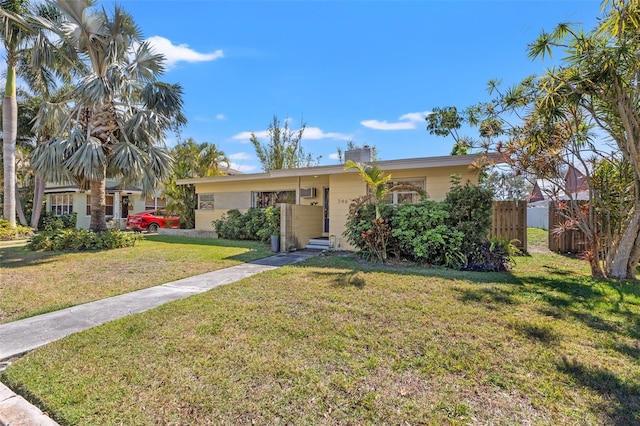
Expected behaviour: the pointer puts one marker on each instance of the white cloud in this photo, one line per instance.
(405, 122)
(220, 117)
(243, 168)
(316, 133)
(246, 136)
(182, 52)
(310, 133)
(239, 156)
(334, 156)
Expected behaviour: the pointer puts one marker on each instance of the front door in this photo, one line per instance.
(326, 210)
(124, 209)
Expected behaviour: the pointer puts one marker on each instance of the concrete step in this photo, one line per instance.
(317, 247)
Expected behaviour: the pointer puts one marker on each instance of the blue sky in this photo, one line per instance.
(366, 71)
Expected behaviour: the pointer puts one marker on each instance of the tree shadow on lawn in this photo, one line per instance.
(18, 257)
(622, 398)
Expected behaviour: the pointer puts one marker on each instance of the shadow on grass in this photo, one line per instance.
(492, 297)
(352, 262)
(622, 397)
(33, 399)
(17, 257)
(540, 333)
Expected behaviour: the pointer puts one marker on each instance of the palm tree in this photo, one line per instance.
(13, 38)
(120, 111)
(375, 179)
(191, 160)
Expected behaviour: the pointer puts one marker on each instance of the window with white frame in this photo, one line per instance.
(265, 199)
(61, 204)
(205, 201)
(153, 203)
(405, 194)
(108, 205)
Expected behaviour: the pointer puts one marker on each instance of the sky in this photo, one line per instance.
(365, 71)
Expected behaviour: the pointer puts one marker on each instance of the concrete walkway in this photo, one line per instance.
(22, 336)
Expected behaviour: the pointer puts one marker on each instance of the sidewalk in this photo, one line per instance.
(25, 335)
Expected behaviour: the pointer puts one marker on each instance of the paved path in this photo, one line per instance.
(25, 335)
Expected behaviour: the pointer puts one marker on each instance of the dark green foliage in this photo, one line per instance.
(82, 239)
(452, 233)
(256, 224)
(423, 235)
(495, 255)
(8, 232)
(50, 222)
(470, 210)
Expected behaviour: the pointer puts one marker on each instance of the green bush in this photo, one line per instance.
(470, 212)
(50, 222)
(423, 236)
(82, 239)
(453, 233)
(494, 255)
(8, 233)
(256, 224)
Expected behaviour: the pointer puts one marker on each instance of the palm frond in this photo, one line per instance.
(88, 161)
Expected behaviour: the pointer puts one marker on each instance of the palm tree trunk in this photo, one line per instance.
(9, 132)
(38, 198)
(98, 204)
(19, 211)
(621, 267)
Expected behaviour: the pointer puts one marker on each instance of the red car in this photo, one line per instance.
(151, 221)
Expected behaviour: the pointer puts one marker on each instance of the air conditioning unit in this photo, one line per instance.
(307, 192)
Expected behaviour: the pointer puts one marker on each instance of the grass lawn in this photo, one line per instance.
(33, 283)
(336, 341)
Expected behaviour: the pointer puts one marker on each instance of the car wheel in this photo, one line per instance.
(152, 228)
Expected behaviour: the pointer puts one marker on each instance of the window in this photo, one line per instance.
(271, 198)
(406, 194)
(205, 202)
(153, 203)
(61, 204)
(108, 205)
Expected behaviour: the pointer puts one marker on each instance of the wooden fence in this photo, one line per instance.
(510, 222)
(568, 241)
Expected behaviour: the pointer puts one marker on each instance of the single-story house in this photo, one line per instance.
(315, 200)
(120, 202)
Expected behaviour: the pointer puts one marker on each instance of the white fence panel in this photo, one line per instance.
(538, 217)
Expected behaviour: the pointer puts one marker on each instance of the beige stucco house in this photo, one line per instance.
(315, 200)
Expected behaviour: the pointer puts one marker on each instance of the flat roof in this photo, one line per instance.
(387, 165)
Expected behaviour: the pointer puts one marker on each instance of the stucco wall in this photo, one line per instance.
(299, 224)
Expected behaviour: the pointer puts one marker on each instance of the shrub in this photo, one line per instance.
(422, 235)
(50, 222)
(495, 255)
(82, 239)
(256, 224)
(470, 211)
(7, 232)
(373, 237)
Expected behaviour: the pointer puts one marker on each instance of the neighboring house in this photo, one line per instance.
(315, 200)
(572, 186)
(64, 199)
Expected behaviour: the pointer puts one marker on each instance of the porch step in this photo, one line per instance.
(318, 244)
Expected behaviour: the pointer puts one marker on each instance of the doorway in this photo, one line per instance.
(325, 215)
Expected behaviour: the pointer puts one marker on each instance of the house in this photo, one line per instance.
(572, 186)
(315, 200)
(120, 202)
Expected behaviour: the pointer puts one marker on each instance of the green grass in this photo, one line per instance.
(338, 341)
(32, 283)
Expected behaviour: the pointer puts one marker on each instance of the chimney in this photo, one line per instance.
(359, 155)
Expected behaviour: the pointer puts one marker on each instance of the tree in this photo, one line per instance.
(284, 150)
(598, 79)
(545, 124)
(191, 160)
(375, 179)
(14, 39)
(120, 111)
